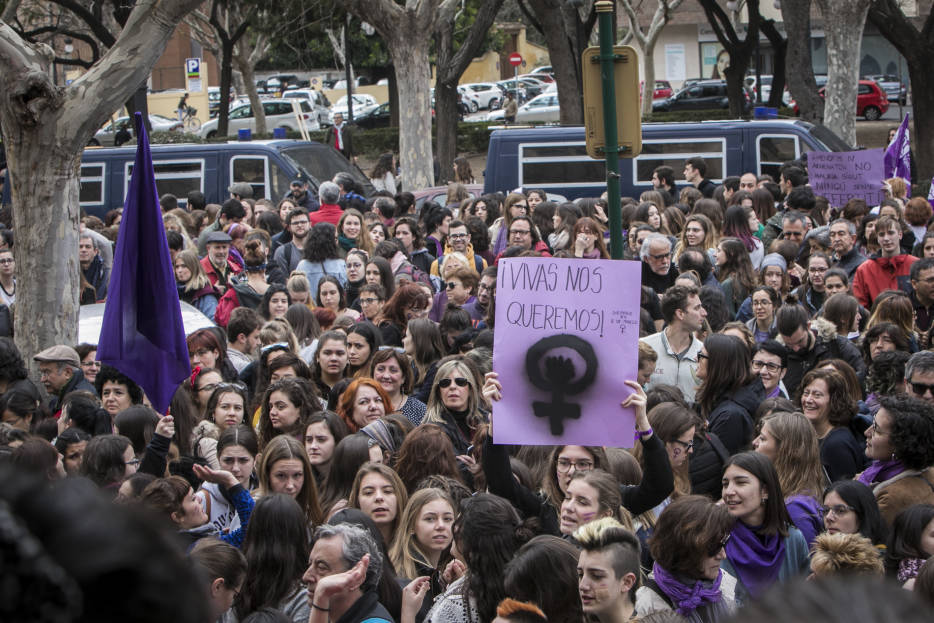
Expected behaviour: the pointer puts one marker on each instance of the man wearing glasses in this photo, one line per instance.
(658, 272)
(523, 236)
(919, 375)
(458, 241)
(770, 362)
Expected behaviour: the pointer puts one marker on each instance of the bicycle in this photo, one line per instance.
(191, 123)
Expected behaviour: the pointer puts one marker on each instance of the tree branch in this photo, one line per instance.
(95, 25)
(9, 11)
(530, 17)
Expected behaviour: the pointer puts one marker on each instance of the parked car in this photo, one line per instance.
(279, 114)
(362, 103)
(662, 89)
(490, 94)
(470, 99)
(528, 87)
(378, 117)
(703, 95)
(544, 70)
(541, 77)
(894, 89)
(871, 100)
(541, 109)
(318, 100)
(750, 84)
(106, 135)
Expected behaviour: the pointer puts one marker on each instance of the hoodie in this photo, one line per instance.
(882, 273)
(731, 420)
(827, 345)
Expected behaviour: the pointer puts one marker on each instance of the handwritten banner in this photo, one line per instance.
(843, 175)
(566, 338)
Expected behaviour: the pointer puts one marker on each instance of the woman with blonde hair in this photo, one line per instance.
(193, 284)
(698, 232)
(455, 404)
(895, 306)
(790, 442)
(299, 289)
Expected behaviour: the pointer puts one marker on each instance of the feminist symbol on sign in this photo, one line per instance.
(559, 377)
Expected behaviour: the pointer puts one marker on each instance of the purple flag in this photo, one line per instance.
(142, 333)
(931, 192)
(898, 154)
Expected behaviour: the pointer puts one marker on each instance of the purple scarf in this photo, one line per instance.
(688, 598)
(756, 559)
(880, 471)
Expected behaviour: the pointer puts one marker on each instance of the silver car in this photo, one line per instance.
(106, 135)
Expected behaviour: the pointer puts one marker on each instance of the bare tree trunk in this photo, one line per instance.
(565, 63)
(647, 41)
(45, 129)
(740, 49)
(917, 46)
(780, 49)
(797, 17)
(249, 85)
(843, 27)
(449, 69)
(404, 30)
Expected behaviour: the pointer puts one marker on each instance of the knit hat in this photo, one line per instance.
(774, 259)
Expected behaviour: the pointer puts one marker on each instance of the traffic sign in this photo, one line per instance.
(628, 114)
(515, 59)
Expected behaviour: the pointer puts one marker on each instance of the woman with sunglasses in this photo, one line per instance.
(454, 403)
(656, 485)
(900, 444)
(459, 287)
(688, 546)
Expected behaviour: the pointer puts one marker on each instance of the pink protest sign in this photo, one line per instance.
(843, 175)
(567, 333)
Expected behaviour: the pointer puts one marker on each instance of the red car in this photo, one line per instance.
(662, 89)
(871, 100)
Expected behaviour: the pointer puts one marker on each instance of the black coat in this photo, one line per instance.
(731, 419)
(826, 346)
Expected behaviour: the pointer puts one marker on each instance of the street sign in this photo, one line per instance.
(193, 74)
(515, 59)
(628, 113)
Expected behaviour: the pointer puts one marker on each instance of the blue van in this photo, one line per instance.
(555, 159)
(268, 166)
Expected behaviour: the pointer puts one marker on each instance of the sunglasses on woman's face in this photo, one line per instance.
(460, 381)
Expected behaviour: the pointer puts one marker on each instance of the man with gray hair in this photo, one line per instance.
(658, 272)
(843, 242)
(919, 375)
(329, 212)
(344, 568)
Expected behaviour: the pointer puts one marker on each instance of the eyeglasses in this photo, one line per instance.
(816, 270)
(687, 445)
(134, 462)
(703, 356)
(761, 303)
(836, 509)
(876, 430)
(450, 285)
(715, 548)
(7, 260)
(582, 465)
(368, 301)
(920, 389)
(519, 232)
(458, 236)
(768, 365)
(459, 381)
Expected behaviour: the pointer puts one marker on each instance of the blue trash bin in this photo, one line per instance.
(278, 133)
(244, 135)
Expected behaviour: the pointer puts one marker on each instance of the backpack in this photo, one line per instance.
(413, 274)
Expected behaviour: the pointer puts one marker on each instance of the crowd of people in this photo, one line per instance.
(331, 456)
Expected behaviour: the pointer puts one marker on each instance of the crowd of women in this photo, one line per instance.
(354, 384)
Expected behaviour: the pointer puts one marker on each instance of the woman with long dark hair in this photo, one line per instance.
(563, 226)
(409, 301)
(812, 292)
(330, 294)
(321, 256)
(276, 550)
(729, 392)
(406, 231)
(487, 533)
(246, 290)
(764, 546)
(355, 265)
(379, 272)
(363, 341)
(383, 175)
(735, 272)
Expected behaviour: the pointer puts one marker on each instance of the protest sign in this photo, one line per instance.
(567, 333)
(843, 175)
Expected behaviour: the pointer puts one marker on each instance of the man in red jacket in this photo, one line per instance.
(329, 212)
(890, 270)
